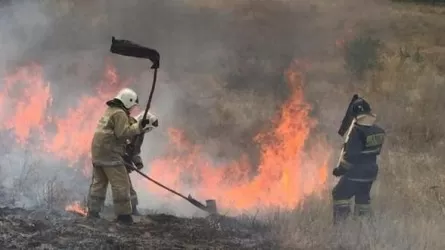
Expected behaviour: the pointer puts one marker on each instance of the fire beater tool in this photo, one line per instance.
(346, 125)
(131, 49)
(210, 206)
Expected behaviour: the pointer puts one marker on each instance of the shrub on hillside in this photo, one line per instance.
(361, 55)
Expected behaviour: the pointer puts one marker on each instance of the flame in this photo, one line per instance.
(75, 207)
(75, 130)
(289, 167)
(24, 100)
(287, 171)
(27, 100)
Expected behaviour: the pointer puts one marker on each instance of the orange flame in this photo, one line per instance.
(24, 99)
(289, 169)
(76, 208)
(75, 130)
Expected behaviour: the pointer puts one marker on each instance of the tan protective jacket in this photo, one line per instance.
(135, 145)
(110, 138)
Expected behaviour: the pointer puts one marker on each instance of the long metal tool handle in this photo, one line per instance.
(348, 132)
(147, 107)
(189, 199)
(155, 75)
(157, 183)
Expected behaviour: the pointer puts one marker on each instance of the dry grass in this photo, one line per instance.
(420, 26)
(27, 182)
(309, 227)
(407, 95)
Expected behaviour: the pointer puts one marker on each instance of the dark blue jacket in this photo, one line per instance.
(361, 151)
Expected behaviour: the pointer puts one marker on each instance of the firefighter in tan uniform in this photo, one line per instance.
(108, 149)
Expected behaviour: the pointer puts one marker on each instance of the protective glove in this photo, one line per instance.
(149, 123)
(139, 165)
(127, 159)
(128, 164)
(339, 171)
(129, 170)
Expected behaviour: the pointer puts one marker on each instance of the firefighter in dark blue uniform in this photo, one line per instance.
(358, 163)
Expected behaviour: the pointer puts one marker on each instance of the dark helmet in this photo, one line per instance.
(360, 107)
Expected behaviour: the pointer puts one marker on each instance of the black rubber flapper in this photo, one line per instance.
(131, 49)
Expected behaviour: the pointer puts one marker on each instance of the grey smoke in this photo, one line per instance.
(221, 76)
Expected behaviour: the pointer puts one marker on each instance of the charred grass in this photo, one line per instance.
(52, 229)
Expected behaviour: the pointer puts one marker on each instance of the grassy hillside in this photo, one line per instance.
(226, 60)
(407, 92)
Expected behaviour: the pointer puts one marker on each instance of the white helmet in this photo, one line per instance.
(128, 97)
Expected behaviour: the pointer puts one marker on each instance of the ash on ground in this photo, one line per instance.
(48, 229)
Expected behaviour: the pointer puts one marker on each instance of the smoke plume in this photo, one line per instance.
(222, 74)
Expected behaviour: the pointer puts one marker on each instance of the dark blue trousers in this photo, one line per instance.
(342, 194)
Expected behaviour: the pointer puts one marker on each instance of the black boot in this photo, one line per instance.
(341, 213)
(362, 210)
(125, 219)
(135, 211)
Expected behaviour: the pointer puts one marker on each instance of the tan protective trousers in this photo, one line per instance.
(133, 194)
(119, 180)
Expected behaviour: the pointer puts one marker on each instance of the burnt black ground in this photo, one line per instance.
(45, 229)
